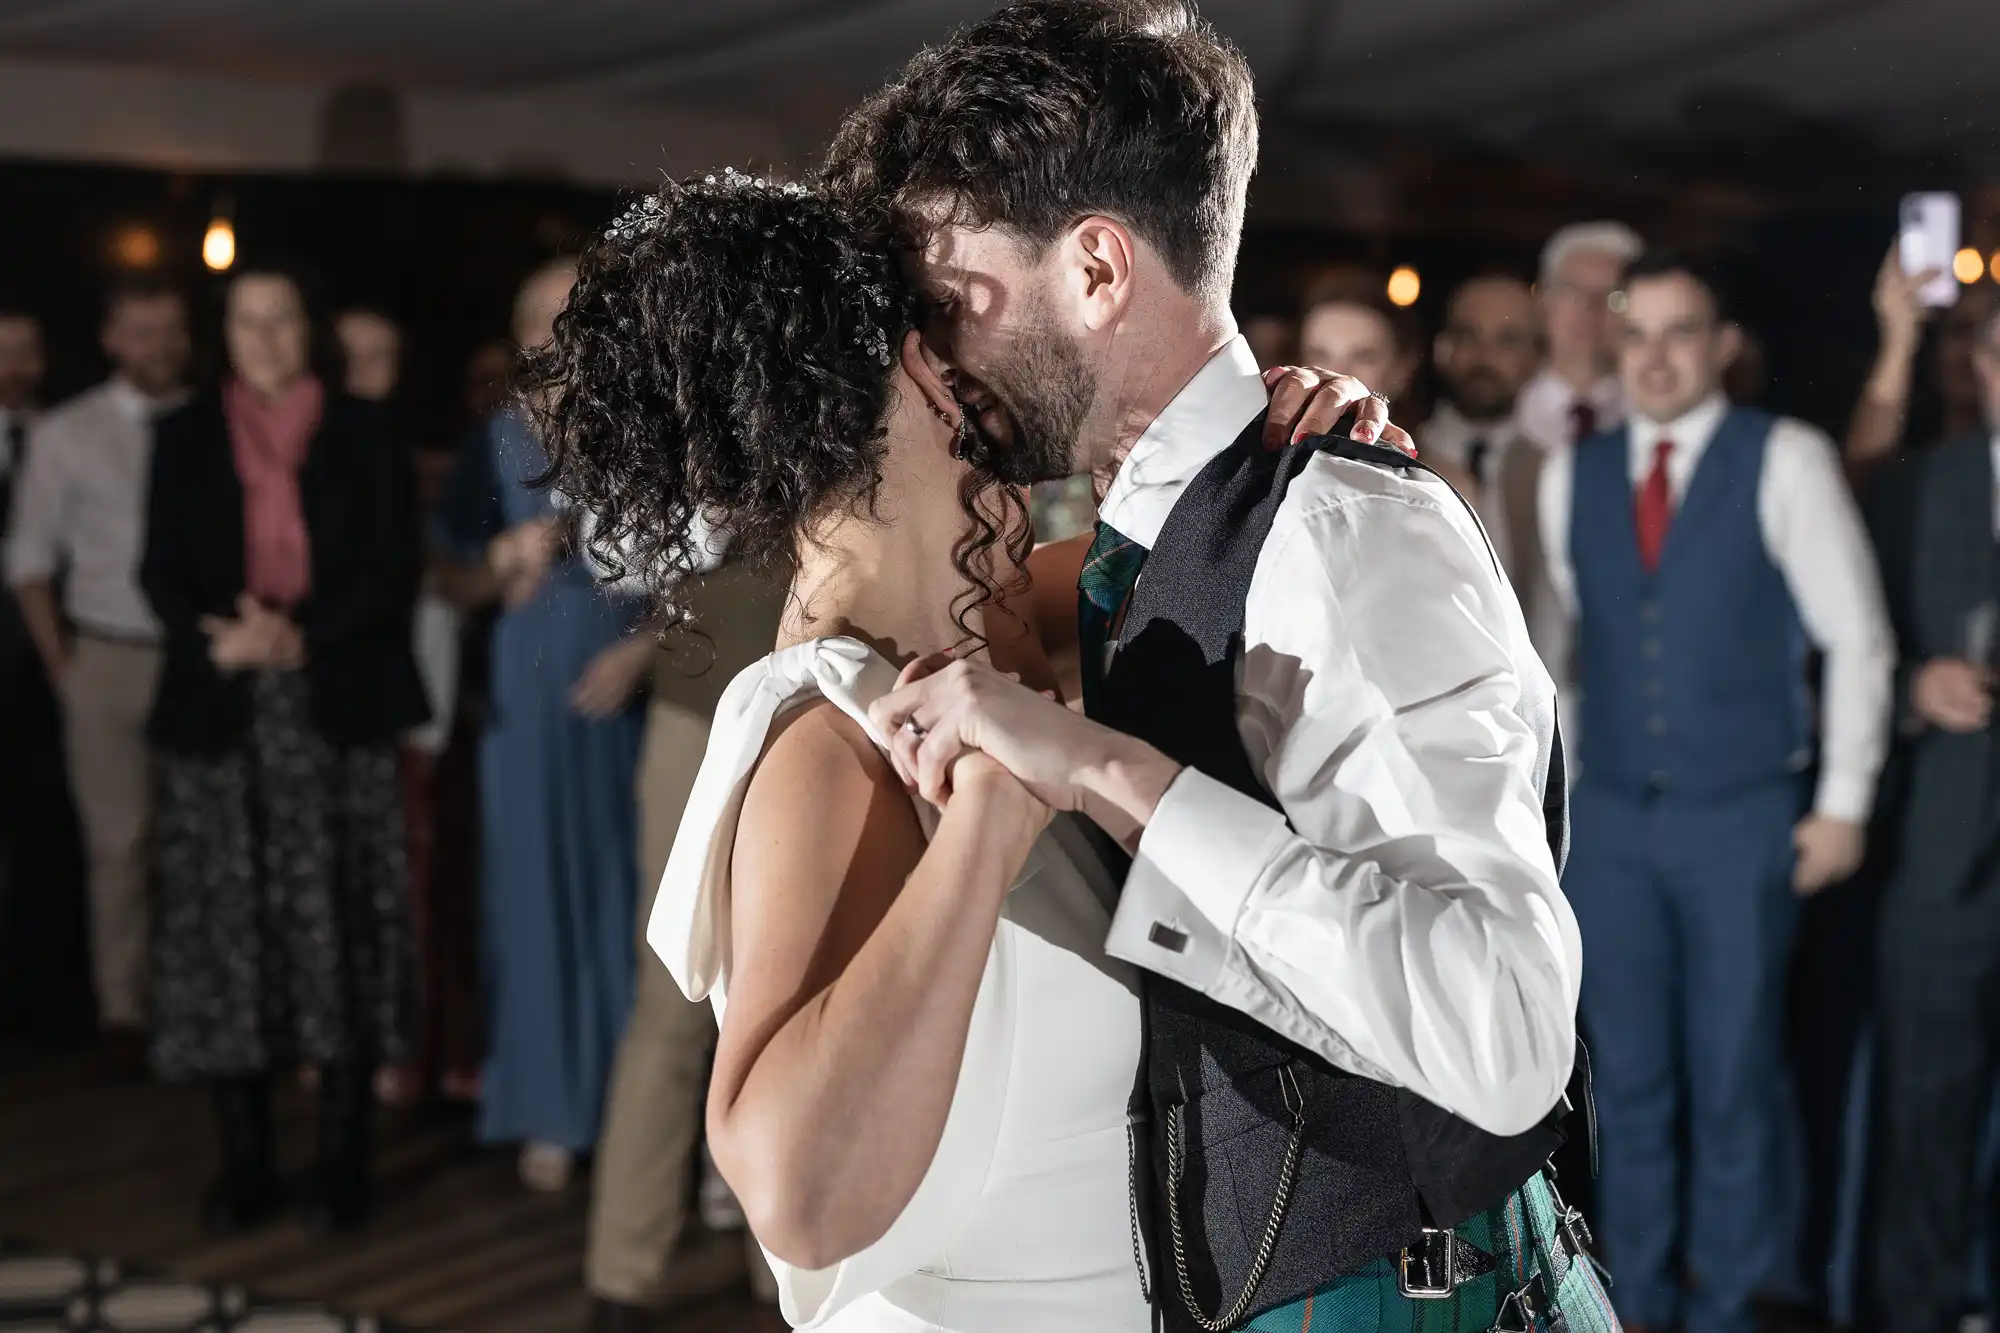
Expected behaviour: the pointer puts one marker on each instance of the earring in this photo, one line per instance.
(961, 430)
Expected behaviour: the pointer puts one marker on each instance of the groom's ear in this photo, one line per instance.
(1098, 258)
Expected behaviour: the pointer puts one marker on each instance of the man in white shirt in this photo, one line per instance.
(80, 514)
(1703, 549)
(1577, 393)
(1393, 908)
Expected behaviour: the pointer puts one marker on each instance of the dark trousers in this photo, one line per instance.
(1832, 1001)
(1687, 915)
(1936, 1056)
(44, 950)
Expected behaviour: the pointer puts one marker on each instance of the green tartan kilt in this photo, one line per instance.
(1518, 1234)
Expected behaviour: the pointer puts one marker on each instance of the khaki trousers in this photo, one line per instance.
(106, 697)
(645, 1156)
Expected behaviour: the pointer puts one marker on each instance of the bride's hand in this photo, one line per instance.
(1306, 400)
(983, 785)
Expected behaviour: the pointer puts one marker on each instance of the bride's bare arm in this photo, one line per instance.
(857, 953)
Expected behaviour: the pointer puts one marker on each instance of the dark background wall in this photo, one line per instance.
(444, 255)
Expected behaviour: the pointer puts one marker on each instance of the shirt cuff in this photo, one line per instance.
(1205, 848)
(1844, 796)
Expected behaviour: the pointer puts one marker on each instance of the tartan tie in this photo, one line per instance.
(1109, 572)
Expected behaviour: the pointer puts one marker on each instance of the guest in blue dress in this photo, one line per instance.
(557, 776)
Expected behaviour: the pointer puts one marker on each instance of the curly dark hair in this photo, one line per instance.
(1047, 111)
(726, 357)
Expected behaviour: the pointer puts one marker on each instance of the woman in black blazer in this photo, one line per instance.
(282, 556)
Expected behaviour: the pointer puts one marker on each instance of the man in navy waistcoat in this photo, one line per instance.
(1704, 549)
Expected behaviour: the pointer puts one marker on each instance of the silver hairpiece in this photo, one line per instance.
(647, 213)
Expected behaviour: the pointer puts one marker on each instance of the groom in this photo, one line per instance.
(1330, 747)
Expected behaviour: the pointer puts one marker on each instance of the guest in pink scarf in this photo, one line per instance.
(282, 557)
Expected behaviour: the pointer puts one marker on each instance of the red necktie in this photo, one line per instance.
(1655, 508)
(1582, 421)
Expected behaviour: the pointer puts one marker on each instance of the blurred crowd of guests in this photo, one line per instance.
(373, 773)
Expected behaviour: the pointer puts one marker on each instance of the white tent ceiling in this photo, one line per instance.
(771, 76)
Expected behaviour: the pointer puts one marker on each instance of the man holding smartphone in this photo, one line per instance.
(1939, 939)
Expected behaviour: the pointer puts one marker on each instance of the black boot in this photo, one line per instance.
(246, 1194)
(341, 1193)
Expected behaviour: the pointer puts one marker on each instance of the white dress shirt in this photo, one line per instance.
(1411, 929)
(1548, 405)
(1815, 537)
(80, 507)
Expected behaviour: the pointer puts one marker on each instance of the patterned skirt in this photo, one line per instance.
(1520, 1234)
(281, 925)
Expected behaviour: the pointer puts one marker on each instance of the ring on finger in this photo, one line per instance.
(916, 728)
(1381, 398)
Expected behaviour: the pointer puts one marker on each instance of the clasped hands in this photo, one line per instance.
(945, 710)
(257, 638)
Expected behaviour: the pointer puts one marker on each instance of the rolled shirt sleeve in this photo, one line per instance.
(1815, 535)
(1402, 916)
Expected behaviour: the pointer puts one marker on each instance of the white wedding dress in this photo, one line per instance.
(1020, 1224)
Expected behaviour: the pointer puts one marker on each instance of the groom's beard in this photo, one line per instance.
(1047, 389)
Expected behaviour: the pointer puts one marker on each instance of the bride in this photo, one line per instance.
(925, 1058)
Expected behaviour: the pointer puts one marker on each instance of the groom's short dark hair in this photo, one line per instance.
(1048, 111)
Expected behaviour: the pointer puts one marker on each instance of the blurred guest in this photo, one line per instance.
(489, 373)
(439, 791)
(1486, 353)
(642, 1255)
(281, 558)
(1577, 394)
(1695, 614)
(80, 514)
(371, 353)
(1350, 326)
(22, 364)
(44, 969)
(1939, 936)
(1881, 420)
(371, 363)
(1273, 339)
(557, 790)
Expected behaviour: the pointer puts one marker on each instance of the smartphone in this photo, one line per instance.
(1929, 240)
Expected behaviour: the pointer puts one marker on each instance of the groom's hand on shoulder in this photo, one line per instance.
(1307, 400)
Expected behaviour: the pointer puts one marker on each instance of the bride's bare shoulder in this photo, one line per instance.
(825, 816)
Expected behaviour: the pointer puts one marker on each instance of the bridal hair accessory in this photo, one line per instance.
(647, 213)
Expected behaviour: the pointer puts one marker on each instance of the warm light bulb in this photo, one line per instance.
(1405, 286)
(1968, 265)
(136, 247)
(1995, 269)
(218, 247)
